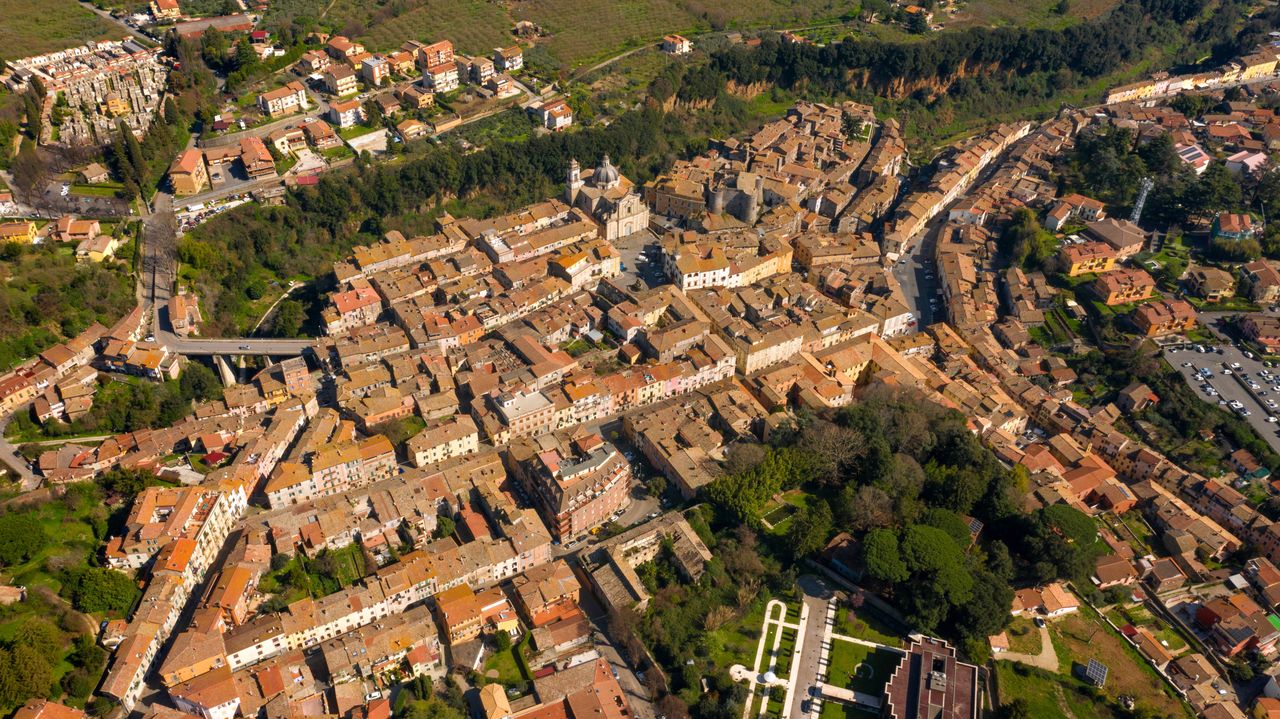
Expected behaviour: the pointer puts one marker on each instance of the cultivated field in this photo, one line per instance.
(583, 32)
(33, 28)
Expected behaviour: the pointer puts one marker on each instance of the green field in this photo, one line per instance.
(579, 33)
(864, 624)
(859, 667)
(31, 28)
(1077, 638)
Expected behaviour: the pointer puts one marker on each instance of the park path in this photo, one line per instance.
(1047, 659)
(756, 669)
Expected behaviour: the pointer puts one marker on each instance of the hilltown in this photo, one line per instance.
(552, 354)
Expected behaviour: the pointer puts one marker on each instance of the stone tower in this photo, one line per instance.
(574, 184)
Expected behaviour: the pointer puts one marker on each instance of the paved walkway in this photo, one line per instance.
(775, 614)
(1047, 659)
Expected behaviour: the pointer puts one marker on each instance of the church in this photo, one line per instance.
(608, 197)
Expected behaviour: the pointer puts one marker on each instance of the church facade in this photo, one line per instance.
(608, 197)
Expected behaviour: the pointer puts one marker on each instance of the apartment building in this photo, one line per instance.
(283, 100)
(578, 482)
(443, 440)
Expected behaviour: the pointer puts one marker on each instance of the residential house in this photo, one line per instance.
(188, 174)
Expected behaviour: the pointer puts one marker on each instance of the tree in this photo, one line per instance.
(934, 558)
(32, 675)
(199, 383)
(126, 482)
(29, 172)
(809, 530)
(91, 589)
(881, 555)
(1062, 7)
(21, 538)
(444, 527)
(502, 641)
(288, 319)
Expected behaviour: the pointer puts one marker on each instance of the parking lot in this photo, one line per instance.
(1230, 386)
(641, 259)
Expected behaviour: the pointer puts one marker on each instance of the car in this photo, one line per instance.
(1249, 355)
(1262, 393)
(244, 347)
(1237, 403)
(1271, 418)
(1271, 403)
(1219, 350)
(1039, 621)
(1186, 364)
(1235, 365)
(1222, 401)
(1226, 371)
(1246, 413)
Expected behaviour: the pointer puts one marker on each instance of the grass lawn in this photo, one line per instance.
(1049, 696)
(735, 642)
(106, 189)
(835, 710)
(31, 28)
(506, 666)
(1024, 636)
(340, 152)
(859, 667)
(779, 513)
(351, 133)
(864, 624)
(1082, 636)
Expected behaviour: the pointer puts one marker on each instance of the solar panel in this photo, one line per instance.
(1096, 672)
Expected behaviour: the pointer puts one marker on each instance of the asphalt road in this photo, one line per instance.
(812, 666)
(1230, 388)
(918, 280)
(11, 459)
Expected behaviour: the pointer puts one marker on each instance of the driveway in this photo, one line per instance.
(1047, 659)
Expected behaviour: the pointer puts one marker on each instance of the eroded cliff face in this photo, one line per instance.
(900, 87)
(867, 79)
(747, 91)
(671, 103)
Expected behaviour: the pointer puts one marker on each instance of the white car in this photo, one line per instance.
(1186, 364)
(1271, 418)
(1226, 371)
(1236, 404)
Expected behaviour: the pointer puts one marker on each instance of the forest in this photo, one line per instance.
(46, 296)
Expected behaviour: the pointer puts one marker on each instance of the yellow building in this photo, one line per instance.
(23, 231)
(1087, 257)
(97, 249)
(187, 173)
(116, 105)
(1257, 66)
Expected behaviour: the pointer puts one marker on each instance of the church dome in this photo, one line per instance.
(606, 175)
